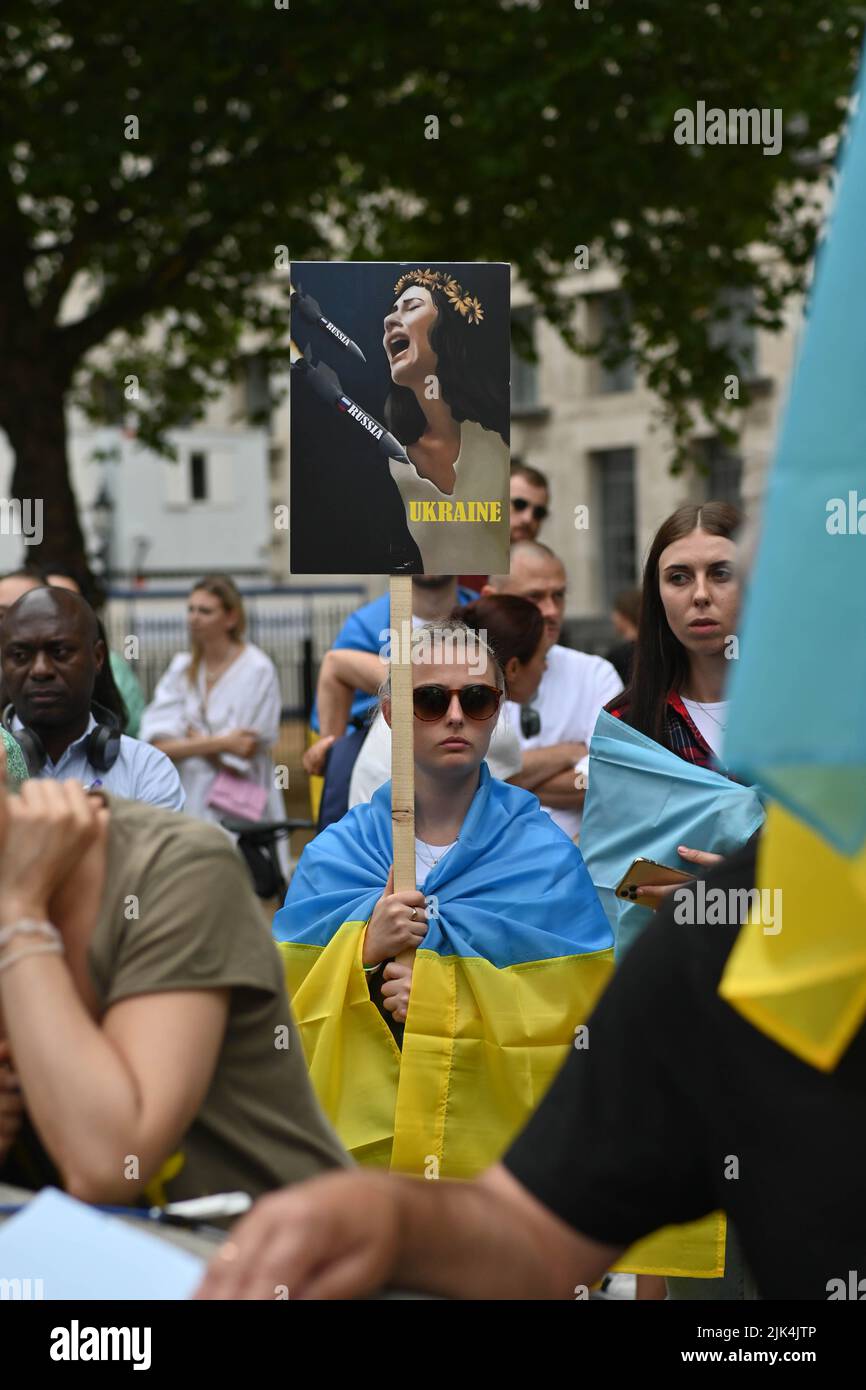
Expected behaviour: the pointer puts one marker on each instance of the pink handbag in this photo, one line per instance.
(238, 796)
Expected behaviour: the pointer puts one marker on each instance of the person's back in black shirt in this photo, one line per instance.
(639, 1129)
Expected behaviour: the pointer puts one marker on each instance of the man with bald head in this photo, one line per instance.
(14, 585)
(574, 689)
(51, 654)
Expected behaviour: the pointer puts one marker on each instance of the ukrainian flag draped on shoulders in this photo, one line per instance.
(516, 953)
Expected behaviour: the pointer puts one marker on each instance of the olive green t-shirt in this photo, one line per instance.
(179, 913)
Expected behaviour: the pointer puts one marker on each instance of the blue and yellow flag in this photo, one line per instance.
(805, 986)
(516, 953)
(670, 802)
(799, 690)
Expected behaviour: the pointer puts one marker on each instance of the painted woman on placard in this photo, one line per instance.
(453, 421)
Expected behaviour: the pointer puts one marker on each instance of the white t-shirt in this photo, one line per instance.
(711, 718)
(480, 475)
(574, 689)
(373, 764)
(424, 852)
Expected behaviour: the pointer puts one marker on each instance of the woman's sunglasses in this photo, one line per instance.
(476, 701)
(520, 504)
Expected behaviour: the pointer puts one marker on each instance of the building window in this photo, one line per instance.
(730, 329)
(722, 472)
(614, 479)
(109, 401)
(203, 474)
(524, 371)
(609, 328)
(257, 390)
(198, 477)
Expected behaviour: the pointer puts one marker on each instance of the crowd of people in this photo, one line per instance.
(156, 1043)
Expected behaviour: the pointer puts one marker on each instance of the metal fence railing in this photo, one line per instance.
(294, 626)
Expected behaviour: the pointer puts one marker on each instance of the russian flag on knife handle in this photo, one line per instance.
(325, 384)
(311, 310)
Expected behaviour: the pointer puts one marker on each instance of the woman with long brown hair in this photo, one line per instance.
(216, 711)
(689, 612)
(686, 639)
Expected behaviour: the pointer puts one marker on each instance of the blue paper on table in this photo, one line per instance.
(643, 801)
(796, 721)
(78, 1252)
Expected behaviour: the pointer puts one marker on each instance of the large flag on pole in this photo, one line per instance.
(798, 719)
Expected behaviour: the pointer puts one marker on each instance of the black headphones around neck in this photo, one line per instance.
(101, 750)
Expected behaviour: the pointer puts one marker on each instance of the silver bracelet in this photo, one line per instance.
(29, 926)
(55, 948)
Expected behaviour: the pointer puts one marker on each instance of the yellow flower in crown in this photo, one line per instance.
(467, 305)
(430, 279)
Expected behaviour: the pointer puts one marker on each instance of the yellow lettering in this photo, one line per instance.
(455, 511)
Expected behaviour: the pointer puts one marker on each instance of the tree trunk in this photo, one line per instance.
(33, 416)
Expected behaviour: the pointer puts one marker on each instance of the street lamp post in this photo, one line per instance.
(102, 523)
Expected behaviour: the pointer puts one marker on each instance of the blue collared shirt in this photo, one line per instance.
(141, 772)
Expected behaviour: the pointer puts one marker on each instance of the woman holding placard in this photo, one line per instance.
(512, 946)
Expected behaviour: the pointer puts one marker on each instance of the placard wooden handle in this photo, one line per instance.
(402, 750)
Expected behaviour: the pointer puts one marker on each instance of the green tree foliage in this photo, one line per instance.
(261, 125)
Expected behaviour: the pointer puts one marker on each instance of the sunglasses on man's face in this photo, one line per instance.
(476, 701)
(520, 504)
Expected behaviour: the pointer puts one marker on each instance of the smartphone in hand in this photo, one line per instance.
(648, 872)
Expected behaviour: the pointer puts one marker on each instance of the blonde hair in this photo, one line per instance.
(445, 635)
(223, 588)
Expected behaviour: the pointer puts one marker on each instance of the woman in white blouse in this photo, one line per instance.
(216, 711)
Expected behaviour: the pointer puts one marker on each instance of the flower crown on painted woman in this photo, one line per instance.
(465, 304)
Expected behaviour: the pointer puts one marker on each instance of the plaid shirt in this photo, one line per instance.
(681, 734)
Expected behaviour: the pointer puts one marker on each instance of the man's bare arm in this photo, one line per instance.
(343, 671)
(350, 1234)
(492, 1239)
(540, 764)
(559, 792)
